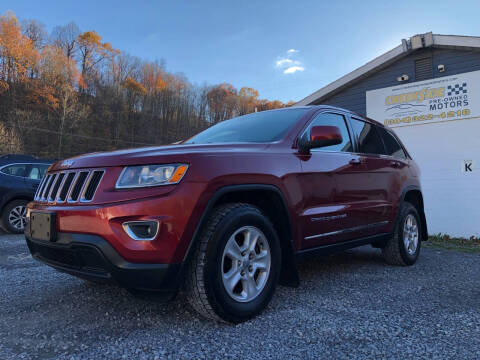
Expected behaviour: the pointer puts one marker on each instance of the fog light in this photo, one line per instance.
(141, 230)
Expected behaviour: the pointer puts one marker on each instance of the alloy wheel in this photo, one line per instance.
(17, 217)
(410, 234)
(246, 264)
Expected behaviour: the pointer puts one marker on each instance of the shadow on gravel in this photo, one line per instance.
(345, 262)
(65, 300)
(108, 302)
(343, 302)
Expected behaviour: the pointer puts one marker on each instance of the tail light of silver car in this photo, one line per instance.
(69, 186)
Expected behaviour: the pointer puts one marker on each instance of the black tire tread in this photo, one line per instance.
(196, 293)
(391, 252)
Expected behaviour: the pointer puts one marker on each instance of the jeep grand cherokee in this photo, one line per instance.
(225, 215)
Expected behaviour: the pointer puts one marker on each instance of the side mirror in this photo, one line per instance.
(321, 136)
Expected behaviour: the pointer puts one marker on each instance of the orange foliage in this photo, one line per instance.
(153, 78)
(135, 87)
(18, 51)
(93, 50)
(57, 69)
(3, 86)
(41, 76)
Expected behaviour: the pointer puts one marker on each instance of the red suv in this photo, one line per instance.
(225, 215)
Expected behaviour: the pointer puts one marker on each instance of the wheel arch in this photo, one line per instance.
(413, 195)
(15, 197)
(270, 200)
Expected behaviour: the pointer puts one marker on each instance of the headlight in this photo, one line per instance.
(150, 175)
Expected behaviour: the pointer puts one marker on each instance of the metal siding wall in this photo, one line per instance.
(451, 197)
(455, 61)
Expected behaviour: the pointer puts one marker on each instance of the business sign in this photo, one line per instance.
(441, 99)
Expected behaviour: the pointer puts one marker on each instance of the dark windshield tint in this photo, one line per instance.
(265, 126)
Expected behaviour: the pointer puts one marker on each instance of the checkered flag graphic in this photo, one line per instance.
(457, 89)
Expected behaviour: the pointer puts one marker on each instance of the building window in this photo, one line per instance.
(423, 69)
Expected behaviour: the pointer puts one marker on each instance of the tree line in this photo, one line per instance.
(69, 92)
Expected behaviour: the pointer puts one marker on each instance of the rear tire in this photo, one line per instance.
(235, 266)
(13, 216)
(404, 247)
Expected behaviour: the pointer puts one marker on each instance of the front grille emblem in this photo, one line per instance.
(66, 164)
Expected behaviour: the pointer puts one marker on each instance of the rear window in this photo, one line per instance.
(37, 171)
(15, 170)
(369, 140)
(261, 127)
(392, 146)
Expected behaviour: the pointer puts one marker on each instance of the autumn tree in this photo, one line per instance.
(60, 73)
(35, 31)
(71, 93)
(92, 52)
(247, 100)
(135, 92)
(222, 101)
(65, 37)
(17, 52)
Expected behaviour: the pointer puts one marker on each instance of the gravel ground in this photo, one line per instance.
(350, 305)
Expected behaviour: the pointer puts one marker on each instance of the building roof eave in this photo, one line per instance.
(405, 48)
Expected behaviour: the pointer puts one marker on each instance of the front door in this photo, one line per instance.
(327, 216)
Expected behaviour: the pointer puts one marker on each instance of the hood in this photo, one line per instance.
(154, 155)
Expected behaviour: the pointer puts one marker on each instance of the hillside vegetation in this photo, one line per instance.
(69, 92)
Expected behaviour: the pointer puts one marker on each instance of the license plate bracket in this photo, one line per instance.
(43, 226)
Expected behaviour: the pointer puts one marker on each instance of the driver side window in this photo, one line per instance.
(330, 119)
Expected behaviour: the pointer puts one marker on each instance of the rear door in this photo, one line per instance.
(398, 163)
(374, 176)
(12, 181)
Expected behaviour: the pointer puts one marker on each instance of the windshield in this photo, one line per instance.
(261, 127)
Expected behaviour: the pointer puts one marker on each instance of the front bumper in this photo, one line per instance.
(93, 258)
(176, 210)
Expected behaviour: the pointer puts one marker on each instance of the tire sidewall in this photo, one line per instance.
(408, 209)
(5, 214)
(227, 307)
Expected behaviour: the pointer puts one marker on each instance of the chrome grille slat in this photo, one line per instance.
(58, 187)
(69, 176)
(48, 188)
(51, 186)
(40, 188)
(72, 185)
(92, 176)
(85, 185)
(47, 180)
(62, 184)
(79, 184)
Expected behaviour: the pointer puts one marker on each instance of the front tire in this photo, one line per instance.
(236, 265)
(404, 247)
(14, 216)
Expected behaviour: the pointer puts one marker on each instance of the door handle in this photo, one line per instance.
(395, 164)
(355, 162)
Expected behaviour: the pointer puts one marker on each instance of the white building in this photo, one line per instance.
(428, 90)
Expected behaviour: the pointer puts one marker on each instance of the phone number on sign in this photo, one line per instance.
(413, 119)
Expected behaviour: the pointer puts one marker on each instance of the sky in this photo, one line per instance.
(285, 49)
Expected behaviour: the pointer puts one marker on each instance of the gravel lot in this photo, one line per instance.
(350, 305)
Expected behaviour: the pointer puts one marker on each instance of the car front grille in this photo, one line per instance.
(69, 186)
